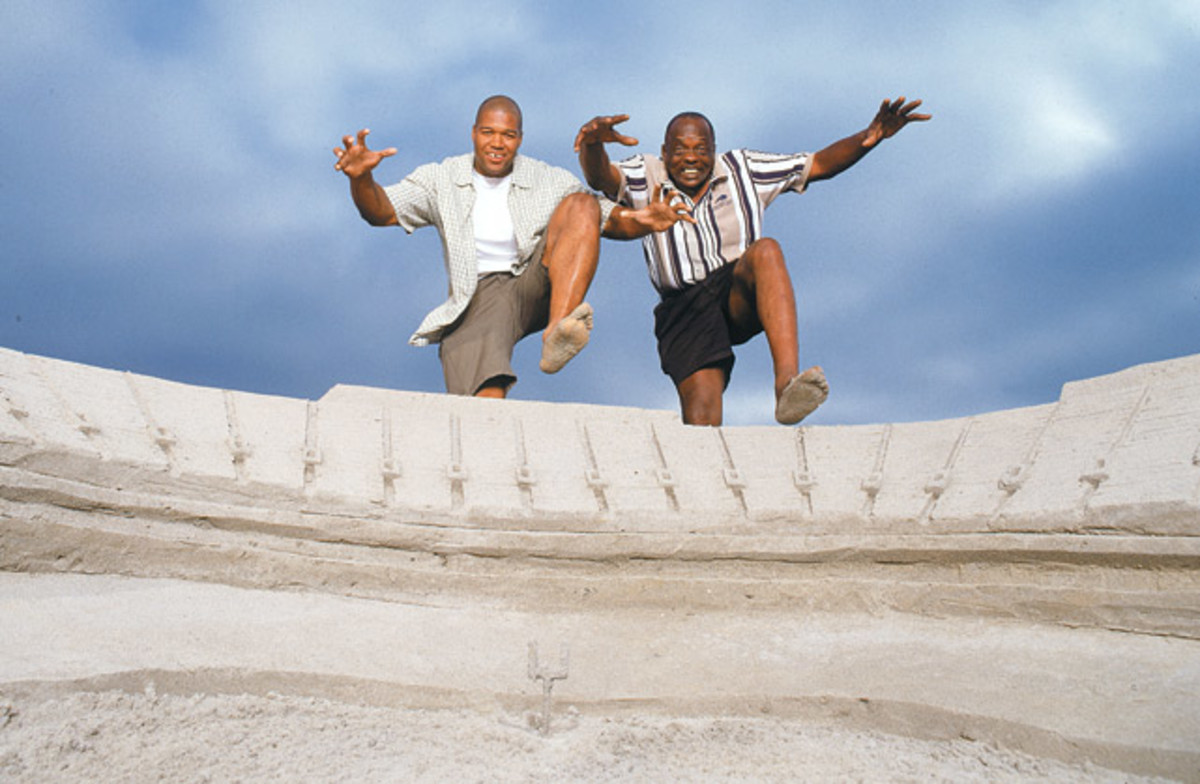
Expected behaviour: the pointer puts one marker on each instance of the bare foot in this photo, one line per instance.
(801, 396)
(567, 339)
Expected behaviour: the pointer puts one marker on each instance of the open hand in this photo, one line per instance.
(891, 117)
(661, 213)
(356, 159)
(600, 130)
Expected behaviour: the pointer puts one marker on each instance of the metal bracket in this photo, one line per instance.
(548, 675)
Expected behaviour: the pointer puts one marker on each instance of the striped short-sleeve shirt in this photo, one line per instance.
(728, 216)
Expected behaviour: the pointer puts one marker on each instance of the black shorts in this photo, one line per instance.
(692, 327)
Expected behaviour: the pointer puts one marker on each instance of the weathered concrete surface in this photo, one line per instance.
(1029, 576)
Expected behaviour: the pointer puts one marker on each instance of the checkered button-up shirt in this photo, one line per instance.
(443, 195)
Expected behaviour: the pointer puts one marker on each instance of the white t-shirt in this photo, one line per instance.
(495, 240)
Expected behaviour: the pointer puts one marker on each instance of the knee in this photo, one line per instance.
(762, 262)
(580, 208)
(764, 251)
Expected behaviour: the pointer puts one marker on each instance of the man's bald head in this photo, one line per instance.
(688, 116)
(501, 103)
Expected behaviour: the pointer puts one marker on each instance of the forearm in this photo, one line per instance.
(598, 169)
(371, 200)
(839, 156)
(624, 224)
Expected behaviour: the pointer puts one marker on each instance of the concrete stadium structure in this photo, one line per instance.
(1030, 576)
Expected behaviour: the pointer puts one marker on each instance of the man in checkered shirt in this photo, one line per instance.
(521, 240)
(721, 281)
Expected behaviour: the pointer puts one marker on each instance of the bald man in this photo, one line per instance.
(720, 281)
(521, 241)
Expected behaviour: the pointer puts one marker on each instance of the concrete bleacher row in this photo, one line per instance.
(1116, 453)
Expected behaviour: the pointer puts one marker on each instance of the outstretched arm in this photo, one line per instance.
(659, 214)
(357, 162)
(598, 170)
(841, 155)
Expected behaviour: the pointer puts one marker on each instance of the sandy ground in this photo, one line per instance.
(116, 736)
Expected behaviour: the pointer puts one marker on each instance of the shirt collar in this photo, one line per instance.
(521, 177)
(720, 173)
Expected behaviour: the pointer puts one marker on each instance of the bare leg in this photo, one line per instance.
(700, 397)
(763, 300)
(571, 255)
(492, 389)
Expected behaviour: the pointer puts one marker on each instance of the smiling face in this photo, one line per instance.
(688, 154)
(497, 137)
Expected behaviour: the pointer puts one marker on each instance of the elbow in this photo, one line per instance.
(598, 182)
(818, 170)
(597, 179)
(377, 219)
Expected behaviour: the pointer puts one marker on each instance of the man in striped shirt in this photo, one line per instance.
(721, 281)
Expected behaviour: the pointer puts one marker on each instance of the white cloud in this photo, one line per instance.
(1062, 138)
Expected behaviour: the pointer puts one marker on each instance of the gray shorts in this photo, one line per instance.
(478, 347)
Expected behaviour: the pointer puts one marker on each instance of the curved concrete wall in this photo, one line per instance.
(1065, 535)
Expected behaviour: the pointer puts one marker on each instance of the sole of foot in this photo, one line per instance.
(802, 395)
(567, 339)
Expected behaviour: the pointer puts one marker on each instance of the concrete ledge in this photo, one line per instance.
(1109, 449)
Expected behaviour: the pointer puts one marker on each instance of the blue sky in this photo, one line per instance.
(170, 207)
